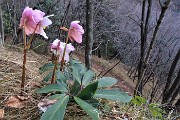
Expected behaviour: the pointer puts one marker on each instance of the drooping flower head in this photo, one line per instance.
(76, 31)
(57, 47)
(31, 18)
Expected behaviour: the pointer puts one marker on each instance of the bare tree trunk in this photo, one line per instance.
(173, 92)
(170, 74)
(15, 38)
(144, 61)
(178, 105)
(1, 28)
(89, 33)
(144, 29)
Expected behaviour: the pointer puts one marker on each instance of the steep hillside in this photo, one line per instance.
(10, 78)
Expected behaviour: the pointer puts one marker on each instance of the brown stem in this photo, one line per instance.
(62, 61)
(26, 47)
(24, 62)
(54, 70)
(31, 38)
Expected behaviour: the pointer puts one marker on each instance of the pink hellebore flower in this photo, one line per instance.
(76, 31)
(59, 46)
(30, 18)
(55, 46)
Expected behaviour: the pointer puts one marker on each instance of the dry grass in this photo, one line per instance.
(10, 79)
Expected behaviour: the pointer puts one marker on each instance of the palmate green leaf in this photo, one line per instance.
(77, 75)
(106, 82)
(75, 88)
(52, 88)
(72, 62)
(56, 111)
(46, 67)
(62, 84)
(60, 76)
(56, 96)
(94, 102)
(87, 78)
(113, 94)
(89, 91)
(90, 110)
(78, 70)
(48, 77)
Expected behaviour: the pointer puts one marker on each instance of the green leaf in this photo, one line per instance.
(113, 94)
(48, 77)
(56, 96)
(90, 110)
(155, 110)
(60, 76)
(46, 67)
(52, 88)
(77, 75)
(78, 70)
(106, 82)
(62, 84)
(89, 91)
(56, 111)
(88, 76)
(75, 88)
(71, 62)
(94, 102)
(137, 100)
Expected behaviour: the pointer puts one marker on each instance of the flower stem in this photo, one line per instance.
(62, 61)
(54, 70)
(26, 47)
(24, 61)
(31, 38)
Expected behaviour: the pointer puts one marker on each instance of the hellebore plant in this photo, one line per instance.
(63, 49)
(32, 21)
(77, 85)
(58, 48)
(74, 83)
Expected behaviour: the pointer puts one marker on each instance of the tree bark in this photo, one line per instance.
(89, 33)
(1, 28)
(170, 74)
(144, 60)
(178, 105)
(173, 92)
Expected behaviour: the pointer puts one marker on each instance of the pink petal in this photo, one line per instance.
(69, 48)
(41, 32)
(46, 22)
(37, 16)
(75, 36)
(66, 57)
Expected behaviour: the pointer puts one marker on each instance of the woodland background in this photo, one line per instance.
(142, 34)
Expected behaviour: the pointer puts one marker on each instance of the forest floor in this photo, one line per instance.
(25, 108)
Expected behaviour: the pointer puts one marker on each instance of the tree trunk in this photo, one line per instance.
(89, 33)
(1, 28)
(144, 60)
(178, 105)
(173, 92)
(15, 38)
(169, 78)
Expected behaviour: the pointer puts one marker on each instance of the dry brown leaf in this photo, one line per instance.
(1, 113)
(16, 102)
(22, 98)
(45, 104)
